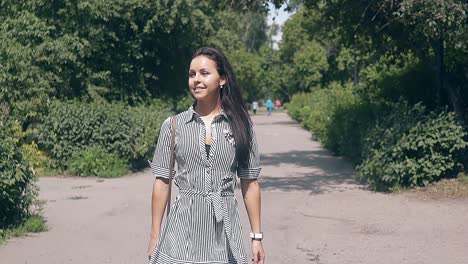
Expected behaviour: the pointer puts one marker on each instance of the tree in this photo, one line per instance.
(433, 30)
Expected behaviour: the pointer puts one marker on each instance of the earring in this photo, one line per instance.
(222, 86)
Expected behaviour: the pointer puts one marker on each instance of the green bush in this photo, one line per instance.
(338, 118)
(95, 161)
(127, 132)
(412, 147)
(296, 107)
(397, 146)
(18, 191)
(394, 77)
(38, 159)
(322, 105)
(349, 127)
(33, 224)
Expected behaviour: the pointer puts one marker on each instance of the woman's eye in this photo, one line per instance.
(204, 73)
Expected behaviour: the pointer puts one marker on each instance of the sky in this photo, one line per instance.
(279, 17)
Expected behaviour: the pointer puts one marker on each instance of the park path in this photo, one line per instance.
(313, 212)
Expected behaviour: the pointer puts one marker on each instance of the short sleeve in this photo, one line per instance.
(162, 155)
(252, 168)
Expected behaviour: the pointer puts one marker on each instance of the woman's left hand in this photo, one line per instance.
(258, 252)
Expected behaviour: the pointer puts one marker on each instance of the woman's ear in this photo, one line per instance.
(222, 81)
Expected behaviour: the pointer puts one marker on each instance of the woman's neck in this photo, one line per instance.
(208, 108)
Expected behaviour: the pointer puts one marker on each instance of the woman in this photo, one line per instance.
(214, 142)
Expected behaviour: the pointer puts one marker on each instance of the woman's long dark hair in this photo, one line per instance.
(232, 104)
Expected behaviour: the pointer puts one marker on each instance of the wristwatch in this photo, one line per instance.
(256, 236)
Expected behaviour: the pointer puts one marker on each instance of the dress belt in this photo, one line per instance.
(221, 213)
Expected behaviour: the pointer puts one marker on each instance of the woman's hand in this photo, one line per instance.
(152, 245)
(258, 252)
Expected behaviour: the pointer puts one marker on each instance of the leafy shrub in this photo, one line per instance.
(127, 132)
(323, 104)
(38, 159)
(412, 148)
(95, 161)
(17, 181)
(336, 116)
(161, 104)
(33, 223)
(394, 77)
(184, 102)
(349, 127)
(296, 107)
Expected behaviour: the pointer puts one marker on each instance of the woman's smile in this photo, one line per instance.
(198, 88)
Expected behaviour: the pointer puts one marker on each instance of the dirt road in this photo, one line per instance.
(313, 212)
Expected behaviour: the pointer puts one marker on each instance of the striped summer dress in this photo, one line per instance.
(203, 225)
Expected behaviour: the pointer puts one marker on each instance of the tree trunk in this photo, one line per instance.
(442, 85)
(355, 75)
(439, 52)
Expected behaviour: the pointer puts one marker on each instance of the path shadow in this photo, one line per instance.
(327, 173)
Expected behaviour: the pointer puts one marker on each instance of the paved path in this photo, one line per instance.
(313, 212)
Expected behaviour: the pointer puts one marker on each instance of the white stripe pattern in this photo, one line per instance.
(203, 225)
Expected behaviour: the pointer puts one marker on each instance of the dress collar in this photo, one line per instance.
(192, 114)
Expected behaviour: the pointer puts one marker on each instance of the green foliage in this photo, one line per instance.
(337, 117)
(412, 148)
(270, 74)
(18, 191)
(425, 40)
(33, 224)
(247, 67)
(294, 36)
(116, 50)
(324, 104)
(128, 132)
(38, 159)
(309, 64)
(95, 161)
(410, 50)
(349, 127)
(184, 102)
(395, 147)
(299, 107)
(394, 77)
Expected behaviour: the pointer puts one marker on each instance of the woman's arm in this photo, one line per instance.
(158, 206)
(252, 200)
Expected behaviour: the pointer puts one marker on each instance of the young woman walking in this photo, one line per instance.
(214, 143)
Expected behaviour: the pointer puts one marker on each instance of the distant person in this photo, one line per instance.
(254, 107)
(203, 225)
(269, 105)
(278, 104)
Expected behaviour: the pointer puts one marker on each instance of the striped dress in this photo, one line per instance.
(203, 225)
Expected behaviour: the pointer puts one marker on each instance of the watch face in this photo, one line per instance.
(256, 235)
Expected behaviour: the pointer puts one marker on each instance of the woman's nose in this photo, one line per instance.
(197, 78)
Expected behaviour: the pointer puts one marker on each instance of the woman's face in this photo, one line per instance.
(204, 79)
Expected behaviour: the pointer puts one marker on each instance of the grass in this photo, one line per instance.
(446, 189)
(44, 172)
(111, 172)
(33, 224)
